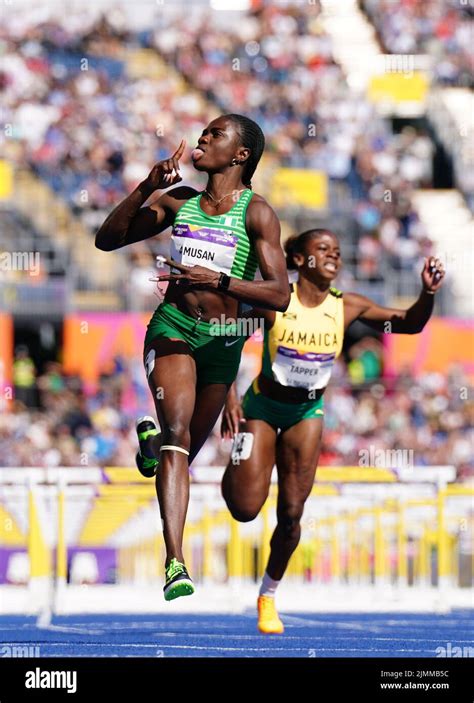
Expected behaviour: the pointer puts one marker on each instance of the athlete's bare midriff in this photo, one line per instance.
(203, 304)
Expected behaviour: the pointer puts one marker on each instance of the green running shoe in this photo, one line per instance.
(146, 465)
(178, 582)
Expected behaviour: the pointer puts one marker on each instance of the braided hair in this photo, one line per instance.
(297, 243)
(252, 138)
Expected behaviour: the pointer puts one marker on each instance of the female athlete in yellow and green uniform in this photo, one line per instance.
(283, 410)
(219, 237)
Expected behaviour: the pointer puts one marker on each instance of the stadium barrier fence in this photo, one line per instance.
(67, 534)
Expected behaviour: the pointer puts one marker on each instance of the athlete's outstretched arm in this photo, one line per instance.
(409, 321)
(273, 292)
(129, 222)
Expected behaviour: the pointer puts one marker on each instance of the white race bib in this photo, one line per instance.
(309, 370)
(207, 246)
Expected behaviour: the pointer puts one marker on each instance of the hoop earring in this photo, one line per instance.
(235, 162)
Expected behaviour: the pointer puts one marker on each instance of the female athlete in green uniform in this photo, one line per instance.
(219, 238)
(283, 407)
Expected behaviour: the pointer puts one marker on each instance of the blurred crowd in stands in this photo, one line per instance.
(278, 63)
(440, 28)
(53, 422)
(82, 118)
(88, 126)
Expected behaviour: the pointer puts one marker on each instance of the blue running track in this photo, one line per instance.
(207, 635)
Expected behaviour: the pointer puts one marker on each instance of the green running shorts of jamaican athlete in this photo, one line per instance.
(216, 348)
(257, 406)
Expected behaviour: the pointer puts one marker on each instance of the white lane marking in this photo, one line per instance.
(78, 646)
(294, 620)
(73, 630)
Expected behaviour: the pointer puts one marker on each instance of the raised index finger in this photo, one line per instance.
(180, 150)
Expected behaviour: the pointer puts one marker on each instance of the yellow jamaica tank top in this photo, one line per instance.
(303, 344)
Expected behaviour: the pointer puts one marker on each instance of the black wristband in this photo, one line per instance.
(224, 282)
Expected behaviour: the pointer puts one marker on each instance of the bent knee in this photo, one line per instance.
(243, 511)
(177, 435)
(292, 511)
(244, 514)
(289, 517)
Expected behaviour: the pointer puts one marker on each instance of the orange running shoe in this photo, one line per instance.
(268, 620)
